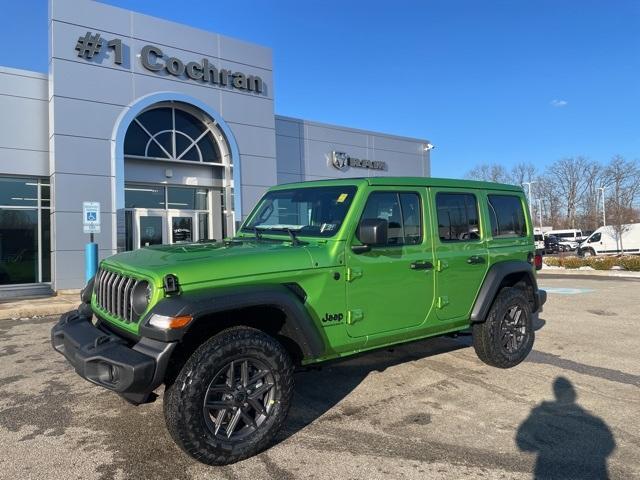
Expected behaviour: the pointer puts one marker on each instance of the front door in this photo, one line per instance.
(156, 227)
(462, 256)
(391, 286)
(150, 227)
(182, 226)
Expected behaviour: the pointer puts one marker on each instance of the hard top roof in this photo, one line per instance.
(404, 182)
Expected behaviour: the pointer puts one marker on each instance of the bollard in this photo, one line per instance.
(90, 260)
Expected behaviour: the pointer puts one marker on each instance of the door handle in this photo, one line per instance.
(475, 259)
(421, 265)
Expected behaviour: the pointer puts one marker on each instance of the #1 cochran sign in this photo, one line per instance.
(91, 217)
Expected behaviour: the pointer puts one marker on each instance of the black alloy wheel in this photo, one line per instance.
(513, 330)
(239, 399)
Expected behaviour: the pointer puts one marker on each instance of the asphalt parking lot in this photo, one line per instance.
(429, 409)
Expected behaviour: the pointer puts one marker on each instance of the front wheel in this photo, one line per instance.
(231, 397)
(506, 337)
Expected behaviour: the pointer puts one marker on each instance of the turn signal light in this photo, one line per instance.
(170, 323)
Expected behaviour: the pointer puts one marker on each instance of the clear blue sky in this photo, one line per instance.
(486, 81)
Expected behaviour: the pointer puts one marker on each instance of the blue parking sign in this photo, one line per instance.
(91, 217)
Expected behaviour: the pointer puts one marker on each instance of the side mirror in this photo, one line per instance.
(372, 232)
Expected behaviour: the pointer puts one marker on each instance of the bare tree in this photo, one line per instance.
(523, 172)
(489, 173)
(589, 205)
(568, 189)
(622, 178)
(568, 177)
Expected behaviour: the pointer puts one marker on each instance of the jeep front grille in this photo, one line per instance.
(114, 294)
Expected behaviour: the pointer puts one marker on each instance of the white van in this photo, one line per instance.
(568, 239)
(604, 242)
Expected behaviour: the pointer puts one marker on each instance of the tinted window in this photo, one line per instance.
(189, 198)
(401, 211)
(19, 192)
(143, 196)
(595, 237)
(507, 216)
(457, 217)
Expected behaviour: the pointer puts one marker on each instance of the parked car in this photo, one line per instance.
(318, 271)
(604, 241)
(551, 244)
(568, 239)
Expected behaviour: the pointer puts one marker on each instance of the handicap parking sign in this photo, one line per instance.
(91, 217)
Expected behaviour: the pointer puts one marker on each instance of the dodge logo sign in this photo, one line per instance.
(342, 161)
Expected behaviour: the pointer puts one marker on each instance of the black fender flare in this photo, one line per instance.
(493, 280)
(299, 326)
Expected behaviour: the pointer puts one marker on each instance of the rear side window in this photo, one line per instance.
(457, 217)
(402, 211)
(507, 216)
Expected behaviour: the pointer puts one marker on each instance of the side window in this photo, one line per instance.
(595, 237)
(402, 212)
(507, 216)
(457, 217)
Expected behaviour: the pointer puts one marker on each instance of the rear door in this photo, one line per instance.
(460, 249)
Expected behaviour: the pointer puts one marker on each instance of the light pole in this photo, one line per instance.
(529, 185)
(540, 213)
(604, 214)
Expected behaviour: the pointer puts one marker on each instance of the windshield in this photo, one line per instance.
(311, 211)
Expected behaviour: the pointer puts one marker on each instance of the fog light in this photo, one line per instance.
(170, 323)
(107, 373)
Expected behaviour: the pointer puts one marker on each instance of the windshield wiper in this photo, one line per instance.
(294, 239)
(258, 233)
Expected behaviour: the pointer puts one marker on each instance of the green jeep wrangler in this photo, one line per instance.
(318, 271)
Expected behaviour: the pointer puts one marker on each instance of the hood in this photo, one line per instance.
(201, 262)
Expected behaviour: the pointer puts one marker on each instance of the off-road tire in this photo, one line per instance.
(184, 398)
(487, 335)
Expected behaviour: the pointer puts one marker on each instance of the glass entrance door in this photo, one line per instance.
(183, 226)
(149, 228)
(156, 227)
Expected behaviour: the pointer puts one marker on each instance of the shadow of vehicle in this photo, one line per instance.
(319, 389)
(569, 441)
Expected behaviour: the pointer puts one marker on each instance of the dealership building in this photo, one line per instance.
(169, 128)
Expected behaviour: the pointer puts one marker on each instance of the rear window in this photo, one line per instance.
(457, 217)
(507, 216)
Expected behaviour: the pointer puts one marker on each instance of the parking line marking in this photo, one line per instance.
(567, 291)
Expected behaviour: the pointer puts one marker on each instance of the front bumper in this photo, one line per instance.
(108, 360)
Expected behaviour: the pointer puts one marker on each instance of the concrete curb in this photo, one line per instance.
(589, 273)
(38, 306)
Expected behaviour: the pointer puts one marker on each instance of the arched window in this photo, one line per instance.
(175, 134)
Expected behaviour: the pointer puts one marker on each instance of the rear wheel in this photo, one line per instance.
(506, 337)
(231, 397)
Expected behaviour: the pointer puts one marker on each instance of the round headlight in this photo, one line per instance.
(141, 296)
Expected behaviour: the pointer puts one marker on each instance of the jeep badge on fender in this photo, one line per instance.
(336, 317)
(223, 325)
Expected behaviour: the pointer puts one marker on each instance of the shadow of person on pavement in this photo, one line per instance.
(569, 441)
